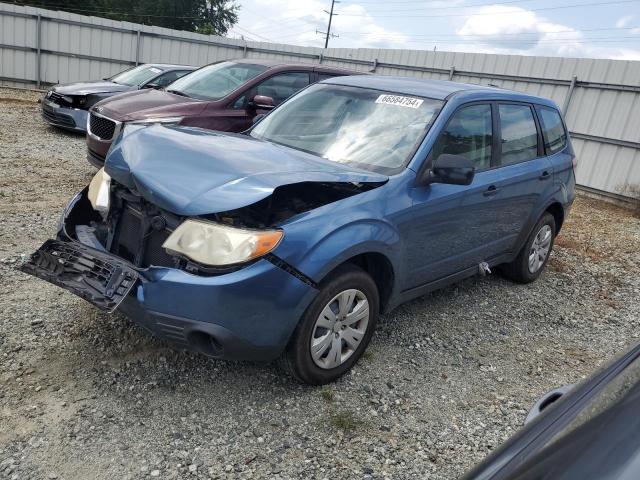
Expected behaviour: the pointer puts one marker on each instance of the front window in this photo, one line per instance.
(136, 76)
(469, 134)
(216, 81)
(369, 129)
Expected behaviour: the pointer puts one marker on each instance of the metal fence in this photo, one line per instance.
(600, 98)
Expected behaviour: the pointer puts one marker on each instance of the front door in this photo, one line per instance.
(453, 227)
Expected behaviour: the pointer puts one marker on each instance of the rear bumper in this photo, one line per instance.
(72, 119)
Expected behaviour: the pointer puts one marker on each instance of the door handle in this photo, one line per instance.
(492, 190)
(545, 175)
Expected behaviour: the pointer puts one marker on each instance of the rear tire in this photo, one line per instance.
(535, 253)
(335, 329)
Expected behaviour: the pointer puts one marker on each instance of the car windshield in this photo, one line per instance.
(365, 128)
(216, 81)
(136, 76)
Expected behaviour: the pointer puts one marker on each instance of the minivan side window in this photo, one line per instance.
(519, 136)
(282, 86)
(553, 132)
(468, 134)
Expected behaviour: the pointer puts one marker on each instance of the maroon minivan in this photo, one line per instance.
(222, 96)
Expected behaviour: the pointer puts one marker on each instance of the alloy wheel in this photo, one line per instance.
(540, 248)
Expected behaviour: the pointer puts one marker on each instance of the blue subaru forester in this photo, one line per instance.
(287, 241)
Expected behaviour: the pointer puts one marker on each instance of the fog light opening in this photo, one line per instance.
(206, 344)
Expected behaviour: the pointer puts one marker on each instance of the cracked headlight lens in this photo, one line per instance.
(213, 244)
(99, 192)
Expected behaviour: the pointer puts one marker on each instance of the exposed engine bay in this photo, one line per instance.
(135, 229)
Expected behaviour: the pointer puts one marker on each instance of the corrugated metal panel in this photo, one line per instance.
(75, 48)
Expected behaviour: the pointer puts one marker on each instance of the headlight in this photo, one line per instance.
(210, 243)
(67, 99)
(99, 192)
(164, 120)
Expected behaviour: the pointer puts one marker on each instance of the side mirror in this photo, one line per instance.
(263, 102)
(546, 400)
(155, 86)
(450, 169)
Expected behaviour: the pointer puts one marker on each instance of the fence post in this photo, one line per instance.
(452, 72)
(374, 66)
(137, 47)
(567, 99)
(38, 44)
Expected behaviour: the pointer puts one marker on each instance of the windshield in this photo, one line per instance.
(137, 75)
(366, 128)
(216, 81)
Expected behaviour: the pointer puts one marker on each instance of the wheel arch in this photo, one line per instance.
(557, 210)
(379, 267)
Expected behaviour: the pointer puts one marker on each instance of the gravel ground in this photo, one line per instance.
(447, 377)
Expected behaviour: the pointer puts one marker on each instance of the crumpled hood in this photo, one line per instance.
(87, 88)
(149, 103)
(189, 171)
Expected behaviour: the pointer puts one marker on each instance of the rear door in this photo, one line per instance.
(526, 173)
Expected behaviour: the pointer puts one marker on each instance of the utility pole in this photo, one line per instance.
(328, 32)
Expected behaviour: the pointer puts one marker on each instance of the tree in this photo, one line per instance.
(214, 17)
(219, 15)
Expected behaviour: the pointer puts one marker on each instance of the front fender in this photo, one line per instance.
(325, 247)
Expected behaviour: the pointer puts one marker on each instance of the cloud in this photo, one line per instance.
(296, 22)
(515, 30)
(624, 21)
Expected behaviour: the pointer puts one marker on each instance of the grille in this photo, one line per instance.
(57, 98)
(128, 237)
(101, 127)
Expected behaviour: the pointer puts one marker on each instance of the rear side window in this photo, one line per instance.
(553, 132)
(324, 76)
(469, 134)
(282, 86)
(519, 136)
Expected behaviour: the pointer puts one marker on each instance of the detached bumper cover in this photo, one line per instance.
(68, 118)
(99, 278)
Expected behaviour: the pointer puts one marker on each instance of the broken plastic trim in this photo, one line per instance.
(100, 278)
(278, 262)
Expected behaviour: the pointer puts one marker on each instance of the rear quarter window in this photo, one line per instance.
(553, 131)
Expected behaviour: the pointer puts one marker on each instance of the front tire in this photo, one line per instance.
(535, 253)
(335, 329)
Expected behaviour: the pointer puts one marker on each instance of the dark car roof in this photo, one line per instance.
(436, 89)
(288, 65)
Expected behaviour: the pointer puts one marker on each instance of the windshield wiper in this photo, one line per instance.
(178, 92)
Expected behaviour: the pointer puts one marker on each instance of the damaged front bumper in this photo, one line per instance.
(246, 314)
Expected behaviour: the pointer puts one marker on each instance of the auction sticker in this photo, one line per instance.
(399, 100)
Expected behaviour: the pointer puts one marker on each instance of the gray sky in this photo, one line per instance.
(568, 28)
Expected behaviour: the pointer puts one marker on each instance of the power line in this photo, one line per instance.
(494, 35)
(498, 13)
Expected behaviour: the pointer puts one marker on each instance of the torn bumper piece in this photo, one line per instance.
(248, 314)
(101, 279)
